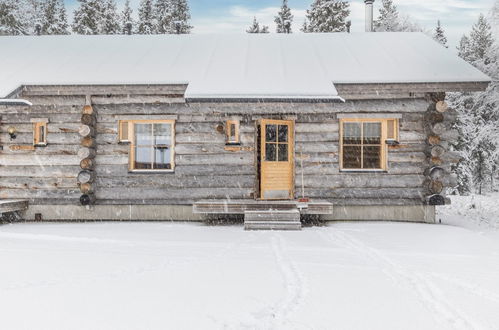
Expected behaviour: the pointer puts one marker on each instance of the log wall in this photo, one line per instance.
(203, 168)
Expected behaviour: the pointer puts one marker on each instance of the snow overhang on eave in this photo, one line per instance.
(15, 102)
(193, 98)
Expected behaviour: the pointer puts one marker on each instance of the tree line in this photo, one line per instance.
(45, 17)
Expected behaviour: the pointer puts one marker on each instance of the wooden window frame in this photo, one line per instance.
(121, 139)
(131, 133)
(228, 132)
(384, 146)
(39, 141)
(395, 129)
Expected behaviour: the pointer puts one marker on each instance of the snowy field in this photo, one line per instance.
(192, 276)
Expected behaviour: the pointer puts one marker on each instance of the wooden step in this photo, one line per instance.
(272, 219)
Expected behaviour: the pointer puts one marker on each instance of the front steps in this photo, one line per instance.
(272, 220)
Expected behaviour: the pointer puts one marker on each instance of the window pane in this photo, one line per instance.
(41, 137)
(270, 133)
(372, 157)
(143, 158)
(283, 133)
(390, 130)
(163, 134)
(270, 152)
(162, 158)
(232, 131)
(372, 133)
(283, 152)
(143, 135)
(124, 130)
(352, 157)
(351, 133)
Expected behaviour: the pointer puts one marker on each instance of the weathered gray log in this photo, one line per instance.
(435, 200)
(435, 173)
(87, 199)
(438, 128)
(86, 176)
(436, 150)
(450, 180)
(449, 135)
(88, 142)
(435, 186)
(451, 157)
(86, 130)
(86, 188)
(86, 153)
(435, 117)
(433, 139)
(88, 120)
(87, 164)
(88, 110)
(441, 106)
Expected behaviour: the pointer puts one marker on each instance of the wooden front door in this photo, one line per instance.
(276, 159)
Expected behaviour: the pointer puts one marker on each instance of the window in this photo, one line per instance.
(276, 143)
(232, 131)
(363, 143)
(152, 145)
(40, 133)
(123, 131)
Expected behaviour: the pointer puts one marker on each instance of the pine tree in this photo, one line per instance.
(109, 23)
(255, 27)
(480, 40)
(478, 119)
(284, 19)
(163, 12)
(180, 16)
(54, 18)
(390, 20)
(9, 19)
(87, 17)
(439, 35)
(327, 16)
(146, 18)
(127, 22)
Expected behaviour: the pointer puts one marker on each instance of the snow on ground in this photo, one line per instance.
(193, 276)
(475, 212)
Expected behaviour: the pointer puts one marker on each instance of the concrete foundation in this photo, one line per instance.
(113, 213)
(410, 213)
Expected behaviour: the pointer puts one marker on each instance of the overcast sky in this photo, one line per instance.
(234, 16)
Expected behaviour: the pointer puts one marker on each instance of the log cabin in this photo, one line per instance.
(344, 126)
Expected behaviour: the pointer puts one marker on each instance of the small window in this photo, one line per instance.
(392, 129)
(152, 145)
(123, 131)
(364, 143)
(40, 133)
(232, 132)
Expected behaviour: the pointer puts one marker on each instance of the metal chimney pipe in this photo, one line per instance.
(369, 15)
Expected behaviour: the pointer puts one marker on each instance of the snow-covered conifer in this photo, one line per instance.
(9, 19)
(54, 18)
(109, 22)
(478, 119)
(255, 27)
(439, 35)
(390, 20)
(127, 21)
(87, 17)
(179, 17)
(163, 12)
(284, 19)
(327, 16)
(146, 18)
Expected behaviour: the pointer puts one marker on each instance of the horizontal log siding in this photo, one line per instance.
(204, 169)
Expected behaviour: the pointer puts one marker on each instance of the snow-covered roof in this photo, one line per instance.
(232, 66)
